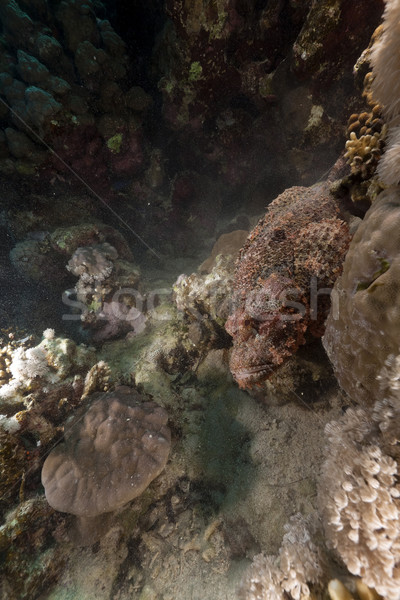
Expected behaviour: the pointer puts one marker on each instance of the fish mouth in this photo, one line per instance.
(254, 370)
(249, 375)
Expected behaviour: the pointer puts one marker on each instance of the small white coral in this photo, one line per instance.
(9, 424)
(262, 581)
(289, 575)
(29, 364)
(389, 377)
(49, 334)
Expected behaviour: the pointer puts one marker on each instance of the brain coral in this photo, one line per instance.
(363, 327)
(294, 251)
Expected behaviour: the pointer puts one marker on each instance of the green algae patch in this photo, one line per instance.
(114, 143)
(364, 285)
(195, 71)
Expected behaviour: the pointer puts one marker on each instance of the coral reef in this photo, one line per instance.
(366, 133)
(109, 456)
(241, 83)
(364, 318)
(200, 518)
(300, 243)
(366, 296)
(229, 72)
(44, 259)
(30, 368)
(332, 21)
(193, 81)
(105, 299)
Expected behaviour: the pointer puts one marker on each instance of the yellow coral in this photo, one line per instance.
(366, 140)
(362, 153)
(338, 591)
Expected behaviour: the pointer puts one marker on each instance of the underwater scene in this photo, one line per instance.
(200, 300)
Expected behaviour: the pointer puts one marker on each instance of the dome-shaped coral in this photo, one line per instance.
(362, 329)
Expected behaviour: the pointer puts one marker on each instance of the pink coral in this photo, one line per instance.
(283, 277)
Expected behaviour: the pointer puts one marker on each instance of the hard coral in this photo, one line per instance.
(366, 134)
(364, 320)
(24, 537)
(109, 456)
(295, 249)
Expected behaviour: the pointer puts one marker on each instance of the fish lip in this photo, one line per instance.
(248, 372)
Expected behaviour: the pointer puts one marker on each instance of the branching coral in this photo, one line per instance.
(363, 153)
(366, 135)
